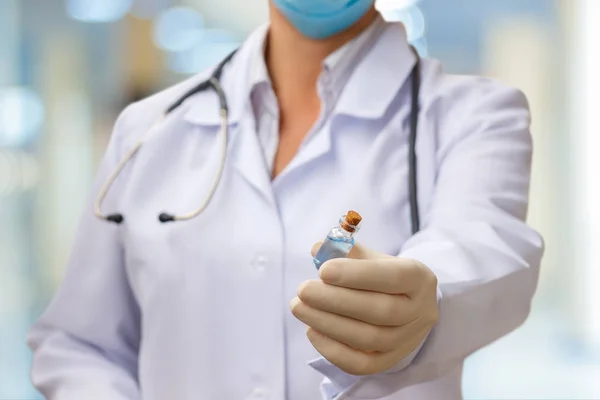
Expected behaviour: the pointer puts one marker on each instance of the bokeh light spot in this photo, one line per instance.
(21, 115)
(178, 29)
(98, 10)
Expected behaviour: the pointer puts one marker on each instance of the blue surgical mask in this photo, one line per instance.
(320, 19)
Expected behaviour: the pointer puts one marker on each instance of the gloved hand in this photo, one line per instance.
(369, 311)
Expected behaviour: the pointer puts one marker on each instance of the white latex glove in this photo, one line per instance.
(369, 311)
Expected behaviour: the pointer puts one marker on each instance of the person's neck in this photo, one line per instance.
(295, 62)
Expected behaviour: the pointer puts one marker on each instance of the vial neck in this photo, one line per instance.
(344, 232)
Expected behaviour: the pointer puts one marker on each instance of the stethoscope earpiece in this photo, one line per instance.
(164, 218)
(116, 218)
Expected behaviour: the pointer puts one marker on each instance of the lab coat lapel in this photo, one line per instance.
(244, 151)
(248, 157)
(314, 148)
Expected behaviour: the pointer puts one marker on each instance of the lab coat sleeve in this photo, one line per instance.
(474, 239)
(85, 345)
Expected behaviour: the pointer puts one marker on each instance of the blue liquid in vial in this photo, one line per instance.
(333, 247)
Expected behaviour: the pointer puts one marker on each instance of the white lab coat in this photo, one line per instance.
(200, 309)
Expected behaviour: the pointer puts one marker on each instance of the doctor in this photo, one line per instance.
(319, 117)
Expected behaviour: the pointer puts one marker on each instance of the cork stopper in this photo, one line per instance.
(351, 221)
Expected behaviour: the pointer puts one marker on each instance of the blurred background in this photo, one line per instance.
(67, 67)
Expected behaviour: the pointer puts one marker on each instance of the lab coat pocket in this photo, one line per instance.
(150, 261)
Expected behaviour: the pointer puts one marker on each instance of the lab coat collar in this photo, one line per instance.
(339, 66)
(378, 78)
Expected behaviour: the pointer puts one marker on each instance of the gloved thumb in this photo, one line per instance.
(358, 252)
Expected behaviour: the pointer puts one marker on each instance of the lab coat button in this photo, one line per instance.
(260, 263)
(259, 393)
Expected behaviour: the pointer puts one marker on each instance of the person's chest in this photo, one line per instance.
(253, 241)
(348, 163)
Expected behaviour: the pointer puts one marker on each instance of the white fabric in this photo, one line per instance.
(200, 309)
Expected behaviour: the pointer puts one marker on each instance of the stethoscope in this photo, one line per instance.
(214, 83)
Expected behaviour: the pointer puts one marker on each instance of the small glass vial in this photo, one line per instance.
(339, 240)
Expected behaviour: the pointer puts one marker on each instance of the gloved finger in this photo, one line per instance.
(371, 307)
(356, 334)
(358, 252)
(394, 275)
(361, 252)
(349, 360)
